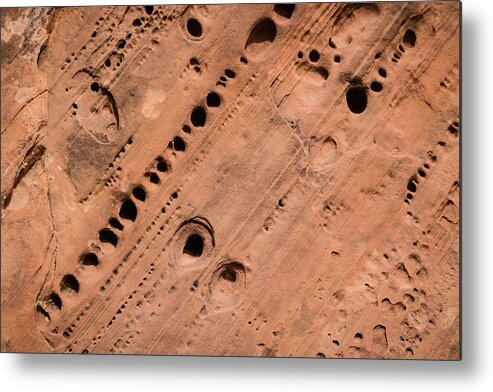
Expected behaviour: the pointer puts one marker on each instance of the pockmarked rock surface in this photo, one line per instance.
(253, 180)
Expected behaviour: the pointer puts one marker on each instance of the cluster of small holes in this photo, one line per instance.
(412, 185)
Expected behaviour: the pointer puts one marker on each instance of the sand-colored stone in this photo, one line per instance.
(309, 209)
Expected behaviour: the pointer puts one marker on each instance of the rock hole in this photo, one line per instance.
(116, 224)
(149, 9)
(229, 275)
(382, 72)
(90, 259)
(356, 99)
(378, 55)
(410, 38)
(194, 246)
(43, 312)
(230, 74)
(262, 34)
(332, 44)
(411, 186)
(128, 210)
(186, 128)
(154, 178)
(69, 283)
(314, 56)
(243, 60)
(54, 301)
(162, 166)
(194, 28)
(94, 33)
(337, 58)
(179, 144)
(95, 87)
(376, 87)
(421, 172)
(121, 44)
(300, 55)
(108, 237)
(198, 117)
(137, 22)
(285, 10)
(213, 100)
(139, 193)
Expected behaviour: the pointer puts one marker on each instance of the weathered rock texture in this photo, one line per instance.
(232, 180)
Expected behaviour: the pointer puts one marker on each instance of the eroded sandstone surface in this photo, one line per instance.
(252, 180)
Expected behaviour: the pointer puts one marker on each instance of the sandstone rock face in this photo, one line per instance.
(251, 180)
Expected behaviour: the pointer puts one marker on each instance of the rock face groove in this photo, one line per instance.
(248, 180)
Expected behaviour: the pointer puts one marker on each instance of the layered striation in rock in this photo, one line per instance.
(253, 180)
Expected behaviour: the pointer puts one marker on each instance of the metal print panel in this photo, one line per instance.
(232, 180)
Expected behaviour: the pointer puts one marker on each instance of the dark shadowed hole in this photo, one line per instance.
(382, 72)
(376, 86)
(95, 87)
(314, 56)
(69, 282)
(213, 100)
(154, 178)
(41, 310)
(186, 128)
(198, 117)
(162, 166)
(116, 224)
(285, 10)
(421, 172)
(410, 38)
(139, 193)
(128, 210)
(378, 55)
(149, 9)
(194, 27)
(230, 74)
(194, 245)
(229, 275)
(137, 22)
(179, 144)
(243, 60)
(54, 300)
(411, 186)
(426, 166)
(337, 58)
(264, 31)
(300, 55)
(108, 237)
(356, 99)
(90, 259)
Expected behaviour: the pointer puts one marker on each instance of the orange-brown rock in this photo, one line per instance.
(250, 180)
